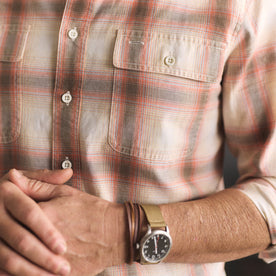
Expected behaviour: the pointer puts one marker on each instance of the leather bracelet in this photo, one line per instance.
(136, 224)
(133, 211)
(138, 237)
(131, 230)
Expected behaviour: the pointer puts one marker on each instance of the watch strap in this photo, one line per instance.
(154, 216)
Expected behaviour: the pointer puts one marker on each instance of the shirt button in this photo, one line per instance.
(66, 97)
(169, 60)
(73, 33)
(66, 164)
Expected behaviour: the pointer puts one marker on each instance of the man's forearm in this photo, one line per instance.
(221, 227)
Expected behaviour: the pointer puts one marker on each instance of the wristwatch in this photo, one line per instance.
(157, 242)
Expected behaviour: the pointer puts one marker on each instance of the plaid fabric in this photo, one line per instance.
(157, 88)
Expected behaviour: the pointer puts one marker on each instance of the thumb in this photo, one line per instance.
(50, 176)
(35, 185)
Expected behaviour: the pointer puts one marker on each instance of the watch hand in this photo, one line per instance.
(155, 245)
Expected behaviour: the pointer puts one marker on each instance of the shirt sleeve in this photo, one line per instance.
(249, 110)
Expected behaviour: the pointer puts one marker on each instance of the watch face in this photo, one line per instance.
(156, 247)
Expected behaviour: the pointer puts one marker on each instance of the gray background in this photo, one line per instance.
(250, 266)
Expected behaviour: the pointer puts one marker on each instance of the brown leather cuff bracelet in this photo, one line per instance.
(133, 211)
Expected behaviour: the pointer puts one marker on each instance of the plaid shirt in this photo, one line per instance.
(140, 97)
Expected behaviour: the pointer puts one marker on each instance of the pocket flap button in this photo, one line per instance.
(169, 60)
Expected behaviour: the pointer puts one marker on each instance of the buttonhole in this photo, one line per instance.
(136, 42)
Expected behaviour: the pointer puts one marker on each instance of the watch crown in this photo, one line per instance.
(137, 245)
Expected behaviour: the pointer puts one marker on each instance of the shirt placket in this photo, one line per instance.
(67, 98)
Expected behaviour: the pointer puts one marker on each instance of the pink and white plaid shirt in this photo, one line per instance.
(140, 97)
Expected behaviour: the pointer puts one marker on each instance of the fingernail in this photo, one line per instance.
(65, 269)
(60, 248)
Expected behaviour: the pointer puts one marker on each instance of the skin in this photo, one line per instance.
(94, 238)
(221, 227)
(18, 245)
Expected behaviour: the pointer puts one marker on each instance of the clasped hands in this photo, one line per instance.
(47, 228)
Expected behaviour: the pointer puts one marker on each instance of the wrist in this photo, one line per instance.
(136, 221)
(148, 234)
(117, 229)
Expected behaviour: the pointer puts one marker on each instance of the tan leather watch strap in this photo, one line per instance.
(154, 216)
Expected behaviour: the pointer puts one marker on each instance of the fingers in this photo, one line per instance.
(57, 177)
(37, 189)
(13, 264)
(31, 254)
(25, 210)
(24, 242)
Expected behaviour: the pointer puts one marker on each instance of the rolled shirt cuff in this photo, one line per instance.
(263, 194)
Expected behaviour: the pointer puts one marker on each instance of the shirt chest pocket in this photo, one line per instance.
(12, 44)
(161, 87)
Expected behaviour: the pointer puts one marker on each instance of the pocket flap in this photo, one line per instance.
(12, 42)
(173, 54)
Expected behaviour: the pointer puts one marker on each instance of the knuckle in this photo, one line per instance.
(11, 172)
(52, 264)
(10, 264)
(51, 236)
(44, 171)
(34, 184)
(24, 245)
(29, 215)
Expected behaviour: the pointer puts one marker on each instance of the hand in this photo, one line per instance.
(29, 242)
(95, 229)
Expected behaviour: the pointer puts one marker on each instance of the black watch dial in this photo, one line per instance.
(156, 248)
